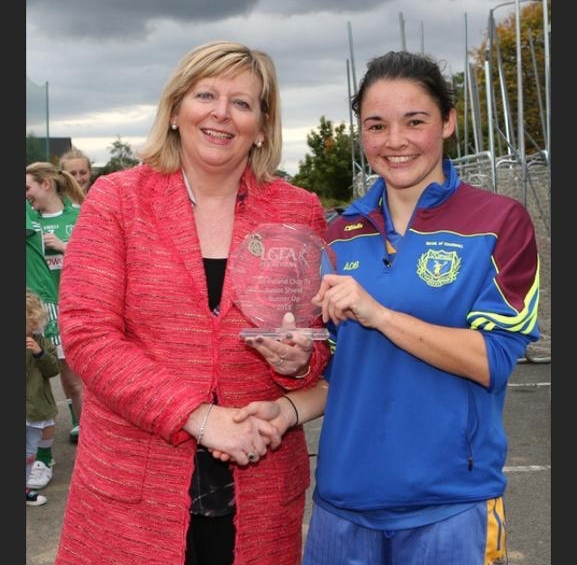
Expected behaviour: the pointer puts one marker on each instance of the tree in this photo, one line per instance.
(283, 174)
(503, 57)
(121, 157)
(327, 170)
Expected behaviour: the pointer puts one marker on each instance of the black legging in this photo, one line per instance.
(210, 541)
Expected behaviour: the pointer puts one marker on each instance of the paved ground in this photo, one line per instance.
(528, 498)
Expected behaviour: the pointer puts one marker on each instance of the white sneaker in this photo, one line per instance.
(35, 499)
(40, 476)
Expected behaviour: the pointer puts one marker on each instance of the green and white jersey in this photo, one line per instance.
(61, 224)
(38, 276)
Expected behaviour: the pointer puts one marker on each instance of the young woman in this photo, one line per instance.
(79, 166)
(54, 198)
(434, 301)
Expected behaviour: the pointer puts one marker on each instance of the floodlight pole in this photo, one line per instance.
(361, 152)
(47, 126)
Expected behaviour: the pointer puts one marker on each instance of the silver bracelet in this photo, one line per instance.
(203, 425)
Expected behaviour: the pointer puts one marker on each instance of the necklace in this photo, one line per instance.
(189, 189)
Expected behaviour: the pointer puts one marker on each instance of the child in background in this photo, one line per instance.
(42, 363)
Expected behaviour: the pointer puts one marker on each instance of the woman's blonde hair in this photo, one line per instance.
(74, 153)
(64, 183)
(162, 147)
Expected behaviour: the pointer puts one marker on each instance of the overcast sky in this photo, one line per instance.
(106, 61)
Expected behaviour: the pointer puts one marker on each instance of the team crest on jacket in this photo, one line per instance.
(437, 268)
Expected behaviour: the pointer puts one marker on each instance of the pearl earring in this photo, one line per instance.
(173, 127)
(259, 144)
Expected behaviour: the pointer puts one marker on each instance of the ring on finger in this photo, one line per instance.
(251, 456)
(280, 361)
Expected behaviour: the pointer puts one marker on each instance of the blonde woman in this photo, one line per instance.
(150, 321)
(79, 166)
(52, 193)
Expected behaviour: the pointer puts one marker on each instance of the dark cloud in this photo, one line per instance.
(106, 61)
(124, 20)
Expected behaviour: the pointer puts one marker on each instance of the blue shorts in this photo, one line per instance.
(476, 537)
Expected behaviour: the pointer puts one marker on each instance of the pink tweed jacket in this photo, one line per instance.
(136, 327)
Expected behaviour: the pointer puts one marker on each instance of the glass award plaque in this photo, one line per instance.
(278, 269)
